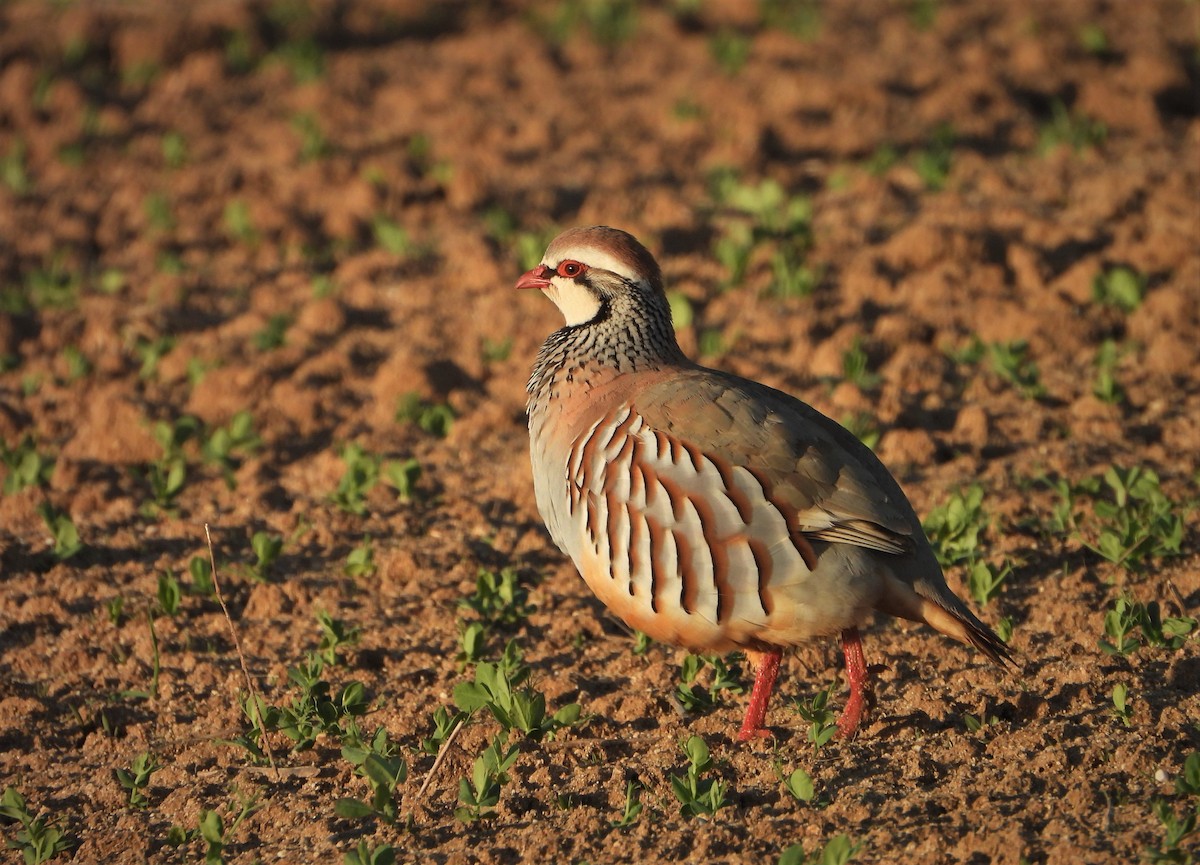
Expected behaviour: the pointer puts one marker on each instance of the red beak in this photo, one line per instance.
(539, 277)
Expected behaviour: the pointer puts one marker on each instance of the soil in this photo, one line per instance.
(314, 212)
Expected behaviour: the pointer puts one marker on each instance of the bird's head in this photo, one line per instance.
(588, 272)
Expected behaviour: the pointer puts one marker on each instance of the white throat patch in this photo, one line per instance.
(574, 301)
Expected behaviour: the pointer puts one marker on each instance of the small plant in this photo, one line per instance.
(391, 236)
(38, 838)
(25, 466)
(267, 548)
(1121, 709)
(800, 784)
(698, 797)
(362, 473)
(170, 594)
(1131, 623)
(472, 640)
(434, 418)
(1105, 386)
(78, 366)
(403, 475)
(157, 208)
(838, 851)
(150, 352)
(865, 427)
(695, 698)
(1069, 128)
(274, 335)
(174, 150)
(136, 779)
(1120, 287)
(730, 50)
(1010, 361)
(984, 581)
(633, 806)
(62, 531)
(444, 724)
(365, 854)
(821, 719)
(239, 224)
(1093, 39)
(200, 570)
(1132, 521)
(313, 143)
(13, 173)
(385, 769)
(1176, 830)
(511, 701)
(335, 635)
(855, 368)
(481, 794)
(954, 527)
(211, 828)
(361, 560)
(226, 446)
(932, 164)
(499, 599)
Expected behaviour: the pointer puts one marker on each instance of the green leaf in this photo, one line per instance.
(352, 809)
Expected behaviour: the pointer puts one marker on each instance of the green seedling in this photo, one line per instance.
(39, 839)
(838, 851)
(402, 476)
(1121, 709)
(882, 160)
(923, 13)
(226, 446)
(391, 237)
(166, 479)
(800, 785)
(1120, 287)
(25, 467)
(865, 427)
(444, 724)
(954, 527)
(211, 828)
(115, 608)
(1071, 129)
(1010, 361)
(974, 723)
(472, 641)
(641, 643)
(801, 18)
(362, 473)
(434, 418)
(790, 276)
(698, 797)
(1176, 831)
(984, 581)
(758, 215)
(13, 173)
(335, 636)
(932, 163)
(730, 50)
(498, 598)
(1093, 39)
(365, 854)
(855, 368)
(150, 352)
(274, 335)
(361, 560)
(725, 678)
(200, 570)
(1131, 623)
(78, 366)
(821, 719)
(1105, 386)
(313, 143)
(62, 531)
(1132, 521)
(385, 769)
(157, 208)
(1188, 784)
(238, 222)
(267, 548)
(512, 701)
(481, 794)
(170, 594)
(136, 779)
(174, 150)
(1004, 629)
(633, 806)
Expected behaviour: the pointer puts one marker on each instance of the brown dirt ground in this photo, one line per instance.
(435, 115)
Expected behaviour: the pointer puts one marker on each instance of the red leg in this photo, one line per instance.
(764, 682)
(860, 686)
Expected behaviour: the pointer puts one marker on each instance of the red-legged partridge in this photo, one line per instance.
(706, 510)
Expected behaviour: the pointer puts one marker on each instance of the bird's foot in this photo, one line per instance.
(860, 685)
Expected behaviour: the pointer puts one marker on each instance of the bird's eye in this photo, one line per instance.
(570, 268)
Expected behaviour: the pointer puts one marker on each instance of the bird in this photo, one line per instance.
(707, 510)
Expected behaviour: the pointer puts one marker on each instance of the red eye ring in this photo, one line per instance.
(570, 269)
